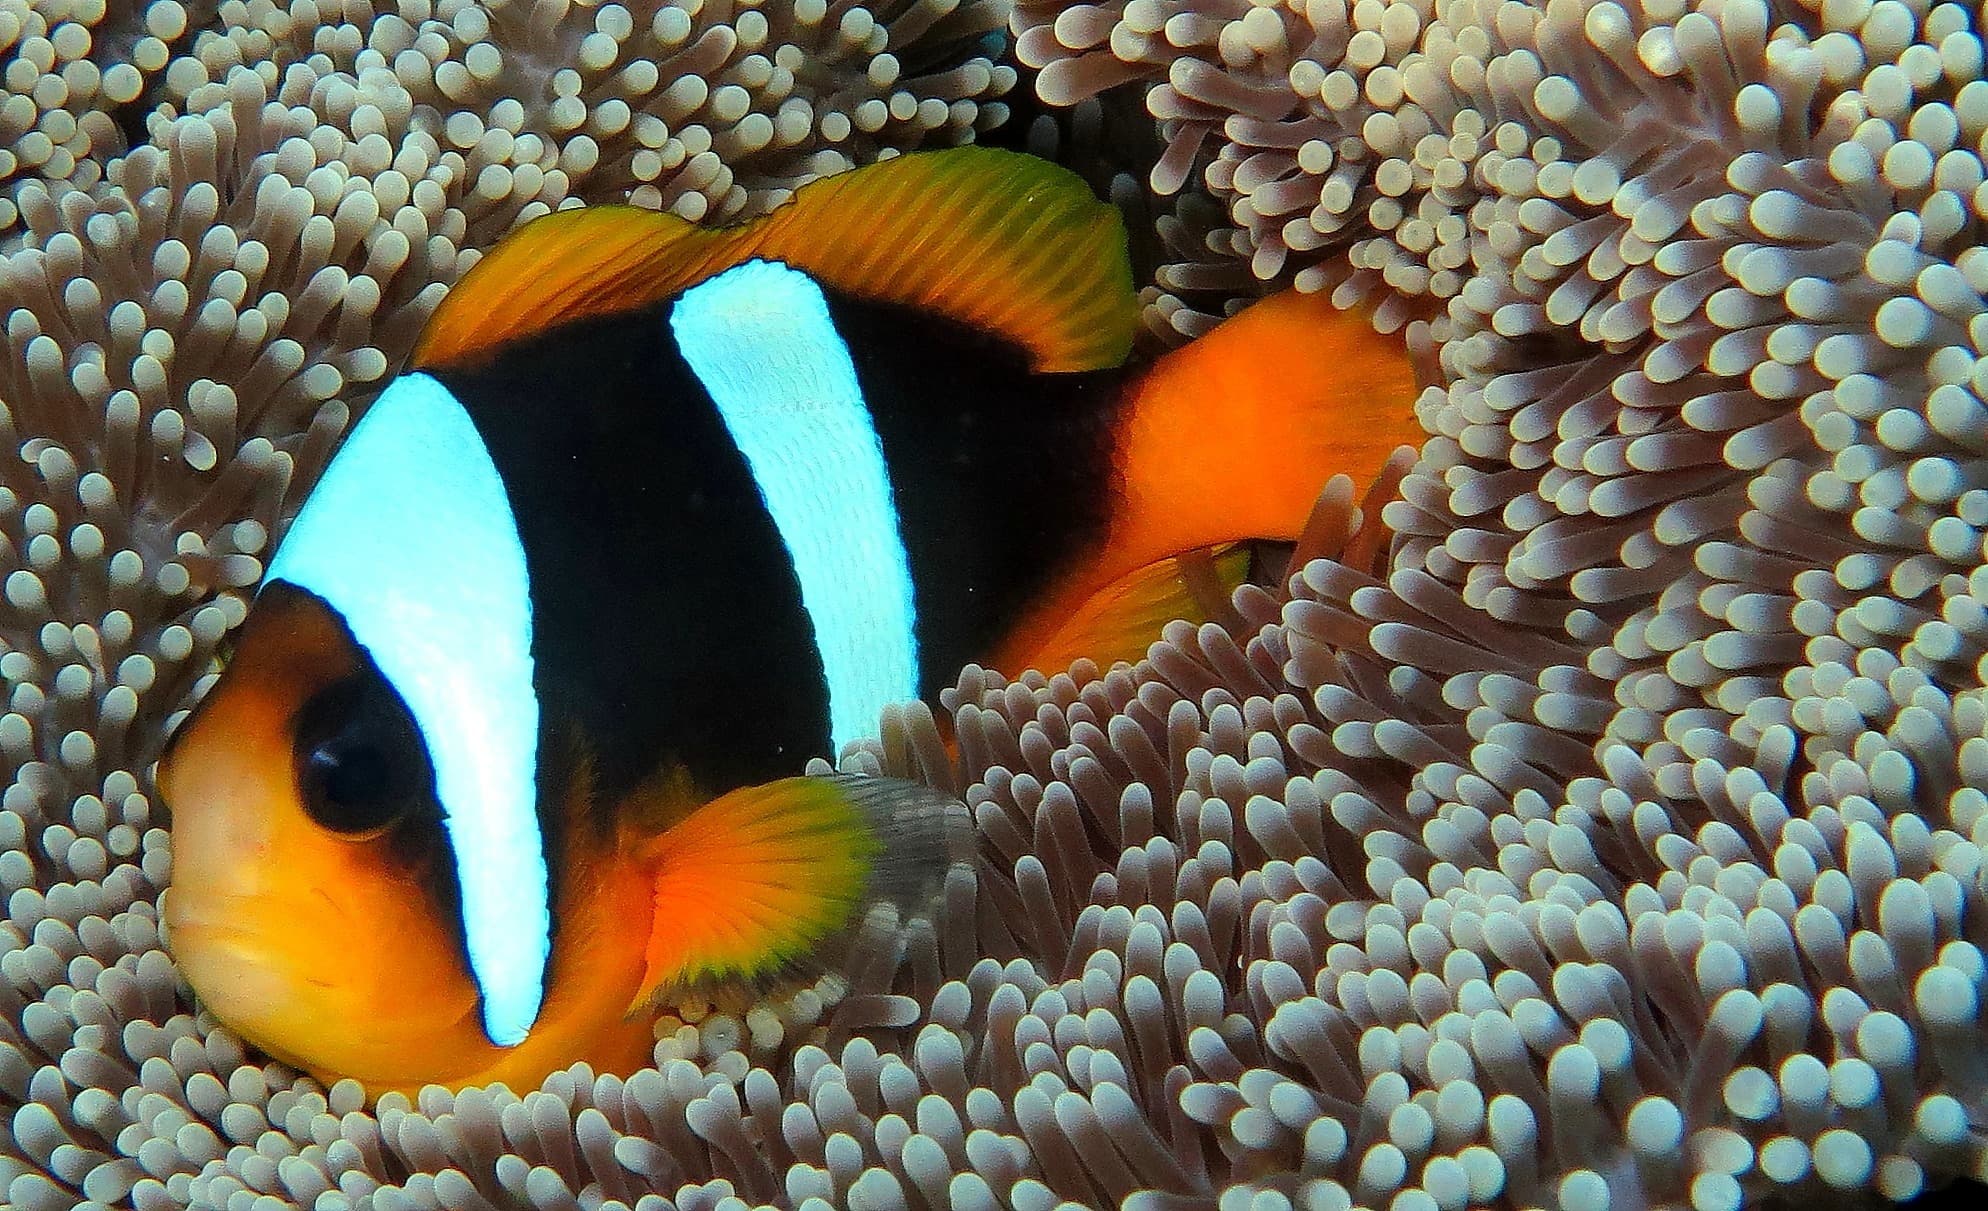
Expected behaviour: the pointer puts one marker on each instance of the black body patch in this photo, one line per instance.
(667, 618)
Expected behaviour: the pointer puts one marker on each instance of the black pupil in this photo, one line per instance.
(361, 764)
(352, 774)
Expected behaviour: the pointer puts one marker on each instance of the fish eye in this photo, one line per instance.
(361, 765)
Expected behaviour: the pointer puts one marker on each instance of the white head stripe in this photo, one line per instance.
(410, 537)
(760, 339)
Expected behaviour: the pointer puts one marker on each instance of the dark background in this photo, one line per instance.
(1963, 1195)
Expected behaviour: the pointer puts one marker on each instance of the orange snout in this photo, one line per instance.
(326, 950)
(334, 952)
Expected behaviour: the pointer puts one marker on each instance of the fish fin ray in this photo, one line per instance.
(565, 266)
(1003, 242)
(1232, 436)
(1124, 618)
(1000, 241)
(770, 882)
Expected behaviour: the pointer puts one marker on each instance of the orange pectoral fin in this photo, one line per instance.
(767, 880)
(1003, 242)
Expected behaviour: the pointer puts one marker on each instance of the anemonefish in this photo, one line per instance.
(506, 747)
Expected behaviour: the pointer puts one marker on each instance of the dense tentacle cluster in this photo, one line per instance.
(1344, 139)
(711, 110)
(1708, 434)
(78, 81)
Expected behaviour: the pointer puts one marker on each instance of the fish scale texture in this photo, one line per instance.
(1595, 825)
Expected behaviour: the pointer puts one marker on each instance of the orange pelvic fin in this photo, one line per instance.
(1002, 242)
(773, 880)
(1233, 436)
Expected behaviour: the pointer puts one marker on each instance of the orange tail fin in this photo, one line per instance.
(1233, 436)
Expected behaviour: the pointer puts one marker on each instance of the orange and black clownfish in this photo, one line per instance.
(659, 512)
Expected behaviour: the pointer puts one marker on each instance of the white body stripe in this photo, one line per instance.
(410, 537)
(760, 339)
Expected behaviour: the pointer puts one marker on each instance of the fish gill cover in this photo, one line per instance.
(1608, 837)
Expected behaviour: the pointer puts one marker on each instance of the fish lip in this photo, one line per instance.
(222, 910)
(208, 929)
(224, 926)
(241, 944)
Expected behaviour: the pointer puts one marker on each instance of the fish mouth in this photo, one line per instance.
(235, 971)
(208, 913)
(197, 940)
(207, 931)
(220, 941)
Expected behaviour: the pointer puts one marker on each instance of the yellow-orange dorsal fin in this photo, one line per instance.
(775, 880)
(1000, 241)
(1232, 436)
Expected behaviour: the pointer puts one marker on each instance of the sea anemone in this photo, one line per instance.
(1592, 819)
